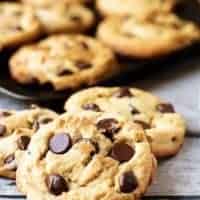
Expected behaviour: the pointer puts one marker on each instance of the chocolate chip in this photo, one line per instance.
(75, 18)
(60, 143)
(165, 108)
(65, 72)
(83, 65)
(17, 28)
(10, 162)
(108, 127)
(37, 123)
(45, 120)
(2, 129)
(56, 184)
(128, 182)
(4, 114)
(122, 152)
(143, 124)
(134, 110)
(84, 45)
(124, 92)
(23, 142)
(91, 106)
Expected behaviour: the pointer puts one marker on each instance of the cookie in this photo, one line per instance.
(18, 24)
(64, 61)
(158, 36)
(60, 17)
(87, 156)
(165, 129)
(53, 2)
(139, 8)
(16, 129)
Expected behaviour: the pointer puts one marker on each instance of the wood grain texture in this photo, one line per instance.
(180, 175)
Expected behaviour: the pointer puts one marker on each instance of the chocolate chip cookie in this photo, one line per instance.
(87, 156)
(65, 61)
(158, 36)
(138, 8)
(165, 129)
(18, 24)
(16, 129)
(60, 17)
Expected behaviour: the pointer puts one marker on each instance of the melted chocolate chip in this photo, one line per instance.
(128, 182)
(75, 18)
(10, 162)
(60, 143)
(65, 72)
(108, 127)
(83, 65)
(45, 120)
(91, 106)
(4, 114)
(143, 124)
(23, 142)
(84, 45)
(134, 110)
(124, 92)
(2, 129)
(165, 108)
(56, 184)
(122, 152)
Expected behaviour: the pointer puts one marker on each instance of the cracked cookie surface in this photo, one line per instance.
(64, 61)
(87, 156)
(158, 36)
(16, 130)
(165, 129)
(18, 24)
(138, 8)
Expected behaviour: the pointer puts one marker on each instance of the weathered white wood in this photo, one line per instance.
(177, 83)
(178, 176)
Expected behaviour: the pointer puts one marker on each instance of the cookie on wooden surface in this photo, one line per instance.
(16, 130)
(87, 156)
(165, 129)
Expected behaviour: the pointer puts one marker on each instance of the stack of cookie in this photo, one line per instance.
(60, 55)
(106, 143)
(103, 147)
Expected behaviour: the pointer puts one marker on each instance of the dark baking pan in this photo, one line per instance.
(133, 69)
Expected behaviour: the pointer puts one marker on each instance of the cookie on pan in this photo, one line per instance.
(69, 18)
(165, 129)
(53, 2)
(16, 129)
(65, 61)
(158, 36)
(18, 24)
(139, 8)
(87, 156)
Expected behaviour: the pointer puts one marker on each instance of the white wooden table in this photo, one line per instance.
(178, 177)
